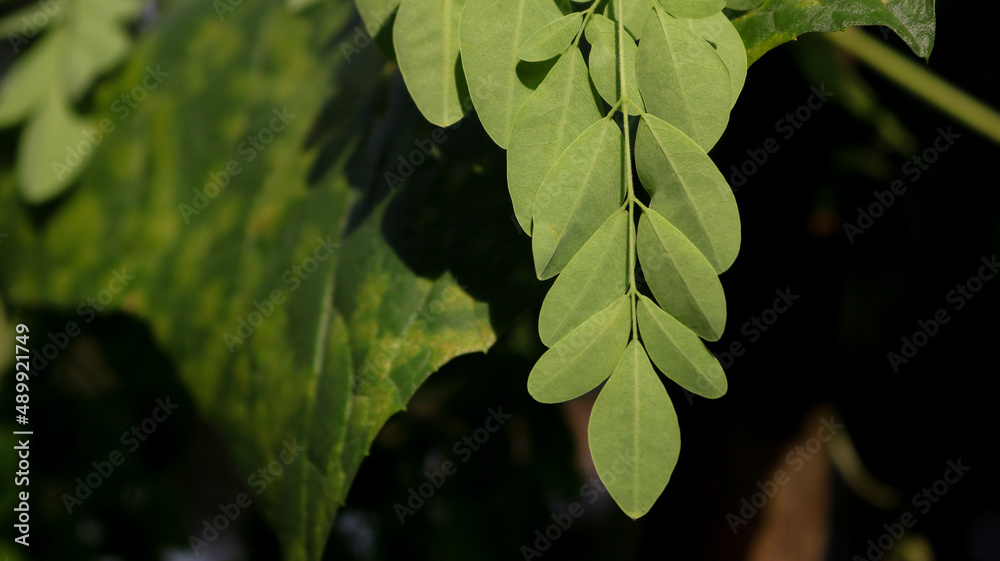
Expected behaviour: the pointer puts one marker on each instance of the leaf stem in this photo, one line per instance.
(920, 81)
(586, 18)
(629, 188)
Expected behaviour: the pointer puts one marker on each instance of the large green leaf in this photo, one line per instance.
(778, 21)
(283, 329)
(634, 435)
(688, 190)
(683, 80)
(562, 107)
(425, 36)
(579, 193)
(492, 32)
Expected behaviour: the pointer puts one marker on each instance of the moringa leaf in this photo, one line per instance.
(595, 277)
(425, 37)
(491, 33)
(602, 33)
(778, 21)
(688, 190)
(551, 40)
(719, 31)
(585, 357)
(377, 15)
(562, 107)
(693, 8)
(580, 192)
(683, 80)
(634, 434)
(678, 352)
(680, 278)
(43, 161)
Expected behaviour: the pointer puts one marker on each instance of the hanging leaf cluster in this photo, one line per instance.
(606, 110)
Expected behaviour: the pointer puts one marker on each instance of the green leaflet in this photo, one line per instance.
(688, 190)
(719, 31)
(693, 8)
(596, 276)
(678, 352)
(637, 13)
(85, 39)
(583, 359)
(427, 49)
(551, 40)
(491, 33)
(683, 80)
(579, 193)
(682, 280)
(42, 154)
(634, 435)
(562, 107)
(774, 22)
(602, 33)
(376, 14)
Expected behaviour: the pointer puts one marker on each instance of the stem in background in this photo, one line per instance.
(922, 82)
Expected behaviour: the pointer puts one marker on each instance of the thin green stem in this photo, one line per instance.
(586, 18)
(629, 188)
(920, 81)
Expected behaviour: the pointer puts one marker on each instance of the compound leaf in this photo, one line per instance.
(683, 80)
(682, 280)
(595, 277)
(583, 359)
(563, 106)
(580, 192)
(425, 37)
(634, 435)
(678, 352)
(491, 33)
(688, 190)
